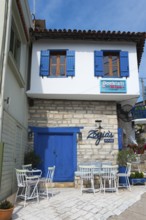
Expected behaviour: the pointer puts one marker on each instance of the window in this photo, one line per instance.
(111, 63)
(15, 46)
(57, 63)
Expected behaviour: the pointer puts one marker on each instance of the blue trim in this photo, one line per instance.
(98, 63)
(124, 64)
(112, 77)
(44, 62)
(56, 129)
(120, 138)
(137, 180)
(56, 77)
(70, 63)
(138, 112)
(58, 50)
(75, 151)
(111, 50)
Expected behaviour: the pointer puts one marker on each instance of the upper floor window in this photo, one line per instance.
(57, 63)
(15, 46)
(111, 63)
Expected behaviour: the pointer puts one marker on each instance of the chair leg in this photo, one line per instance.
(47, 192)
(128, 183)
(116, 186)
(101, 184)
(104, 183)
(25, 195)
(82, 186)
(37, 194)
(92, 185)
(51, 188)
(16, 194)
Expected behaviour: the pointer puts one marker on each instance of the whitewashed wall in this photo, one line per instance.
(84, 83)
(17, 106)
(2, 7)
(14, 137)
(15, 112)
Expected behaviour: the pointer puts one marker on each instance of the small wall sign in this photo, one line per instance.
(98, 135)
(113, 86)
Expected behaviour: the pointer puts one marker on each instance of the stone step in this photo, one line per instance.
(64, 184)
(59, 184)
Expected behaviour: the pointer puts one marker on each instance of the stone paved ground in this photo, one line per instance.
(135, 212)
(70, 204)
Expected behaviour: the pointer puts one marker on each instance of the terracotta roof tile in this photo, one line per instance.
(137, 37)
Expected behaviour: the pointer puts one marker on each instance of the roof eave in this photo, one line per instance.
(137, 37)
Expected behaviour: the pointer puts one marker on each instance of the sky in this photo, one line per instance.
(112, 15)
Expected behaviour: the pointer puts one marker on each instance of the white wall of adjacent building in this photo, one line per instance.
(2, 19)
(14, 118)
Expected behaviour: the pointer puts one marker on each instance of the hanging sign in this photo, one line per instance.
(113, 86)
(98, 135)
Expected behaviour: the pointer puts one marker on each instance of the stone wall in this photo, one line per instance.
(64, 113)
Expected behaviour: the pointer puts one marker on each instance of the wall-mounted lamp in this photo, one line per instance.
(29, 133)
(99, 123)
(7, 100)
(80, 136)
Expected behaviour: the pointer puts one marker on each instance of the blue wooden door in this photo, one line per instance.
(57, 149)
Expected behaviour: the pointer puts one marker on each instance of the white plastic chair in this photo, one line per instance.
(48, 182)
(27, 186)
(126, 175)
(87, 175)
(135, 165)
(108, 178)
(27, 167)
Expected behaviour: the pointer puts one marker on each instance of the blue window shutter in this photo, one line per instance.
(124, 64)
(120, 138)
(98, 63)
(70, 63)
(44, 63)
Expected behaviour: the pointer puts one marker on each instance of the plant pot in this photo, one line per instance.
(137, 181)
(122, 180)
(6, 214)
(140, 151)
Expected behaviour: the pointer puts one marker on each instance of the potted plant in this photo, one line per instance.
(125, 155)
(31, 157)
(6, 210)
(137, 178)
(141, 141)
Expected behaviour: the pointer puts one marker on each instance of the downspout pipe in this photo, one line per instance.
(8, 18)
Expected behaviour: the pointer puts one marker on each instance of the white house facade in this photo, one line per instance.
(84, 84)
(14, 48)
(78, 78)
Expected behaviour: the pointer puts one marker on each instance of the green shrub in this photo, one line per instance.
(137, 175)
(6, 205)
(124, 156)
(31, 158)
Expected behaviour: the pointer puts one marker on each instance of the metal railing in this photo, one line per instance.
(139, 112)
